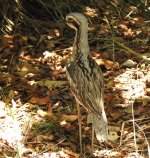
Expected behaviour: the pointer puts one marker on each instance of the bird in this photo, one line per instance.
(86, 79)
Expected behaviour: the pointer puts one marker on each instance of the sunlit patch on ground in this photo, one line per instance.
(38, 116)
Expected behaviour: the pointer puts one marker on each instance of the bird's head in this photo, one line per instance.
(76, 20)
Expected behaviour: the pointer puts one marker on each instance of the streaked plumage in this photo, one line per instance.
(85, 76)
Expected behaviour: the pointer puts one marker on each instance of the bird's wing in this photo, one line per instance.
(87, 88)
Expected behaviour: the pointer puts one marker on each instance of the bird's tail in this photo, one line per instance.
(100, 126)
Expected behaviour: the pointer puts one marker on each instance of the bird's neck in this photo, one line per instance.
(81, 45)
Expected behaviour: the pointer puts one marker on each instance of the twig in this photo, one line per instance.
(134, 130)
(113, 40)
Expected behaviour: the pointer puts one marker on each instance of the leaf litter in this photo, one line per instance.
(38, 116)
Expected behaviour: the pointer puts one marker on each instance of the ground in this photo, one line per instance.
(38, 115)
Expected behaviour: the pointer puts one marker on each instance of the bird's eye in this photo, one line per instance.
(70, 20)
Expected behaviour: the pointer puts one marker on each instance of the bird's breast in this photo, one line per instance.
(83, 68)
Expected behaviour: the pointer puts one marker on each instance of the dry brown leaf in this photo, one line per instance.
(88, 148)
(73, 146)
(25, 67)
(100, 62)
(128, 110)
(110, 98)
(111, 83)
(69, 118)
(42, 113)
(50, 83)
(139, 110)
(113, 136)
(108, 64)
(123, 26)
(49, 108)
(105, 55)
(6, 40)
(41, 138)
(46, 114)
(71, 154)
(129, 32)
(55, 32)
(87, 129)
(116, 115)
(147, 91)
(11, 94)
(65, 124)
(40, 101)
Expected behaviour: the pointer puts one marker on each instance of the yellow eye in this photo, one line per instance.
(70, 20)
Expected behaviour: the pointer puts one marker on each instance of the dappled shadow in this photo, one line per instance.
(38, 115)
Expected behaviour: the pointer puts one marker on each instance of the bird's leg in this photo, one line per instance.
(92, 142)
(80, 130)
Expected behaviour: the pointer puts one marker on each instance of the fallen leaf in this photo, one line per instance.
(41, 138)
(40, 101)
(42, 113)
(105, 55)
(50, 83)
(128, 32)
(69, 118)
(108, 64)
(6, 40)
(129, 63)
(139, 110)
(123, 26)
(87, 129)
(11, 94)
(111, 83)
(66, 125)
(71, 154)
(128, 110)
(116, 114)
(113, 136)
